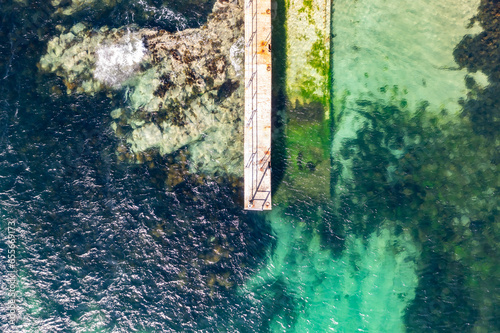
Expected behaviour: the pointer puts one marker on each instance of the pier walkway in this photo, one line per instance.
(257, 105)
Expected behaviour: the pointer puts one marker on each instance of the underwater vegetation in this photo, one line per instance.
(435, 179)
(301, 85)
(433, 175)
(481, 53)
(176, 89)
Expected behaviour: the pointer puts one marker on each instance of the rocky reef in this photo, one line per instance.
(480, 53)
(179, 89)
(74, 55)
(482, 108)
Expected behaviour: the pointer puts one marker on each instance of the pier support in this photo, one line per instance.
(257, 105)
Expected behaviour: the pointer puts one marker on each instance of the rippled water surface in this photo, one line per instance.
(403, 239)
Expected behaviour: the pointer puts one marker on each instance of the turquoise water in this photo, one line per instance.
(400, 235)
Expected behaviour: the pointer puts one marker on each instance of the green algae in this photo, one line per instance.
(308, 8)
(308, 4)
(308, 52)
(303, 105)
(307, 155)
(319, 59)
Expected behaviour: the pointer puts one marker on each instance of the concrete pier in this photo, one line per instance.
(307, 89)
(257, 105)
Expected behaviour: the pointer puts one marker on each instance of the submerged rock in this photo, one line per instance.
(181, 89)
(87, 60)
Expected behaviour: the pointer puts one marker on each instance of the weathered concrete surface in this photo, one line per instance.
(258, 86)
(307, 89)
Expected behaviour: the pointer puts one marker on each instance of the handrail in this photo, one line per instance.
(259, 165)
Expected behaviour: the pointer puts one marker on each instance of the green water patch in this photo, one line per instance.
(416, 143)
(365, 288)
(406, 44)
(314, 85)
(433, 176)
(308, 52)
(301, 85)
(319, 59)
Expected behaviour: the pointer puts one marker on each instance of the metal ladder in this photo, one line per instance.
(259, 164)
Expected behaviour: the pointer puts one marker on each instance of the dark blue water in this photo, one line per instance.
(101, 244)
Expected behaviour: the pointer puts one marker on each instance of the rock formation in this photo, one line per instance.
(180, 89)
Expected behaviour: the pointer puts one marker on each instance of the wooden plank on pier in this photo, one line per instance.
(257, 105)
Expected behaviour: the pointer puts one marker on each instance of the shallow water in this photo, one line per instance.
(400, 236)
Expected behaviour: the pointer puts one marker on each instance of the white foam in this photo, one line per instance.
(164, 14)
(116, 63)
(236, 55)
